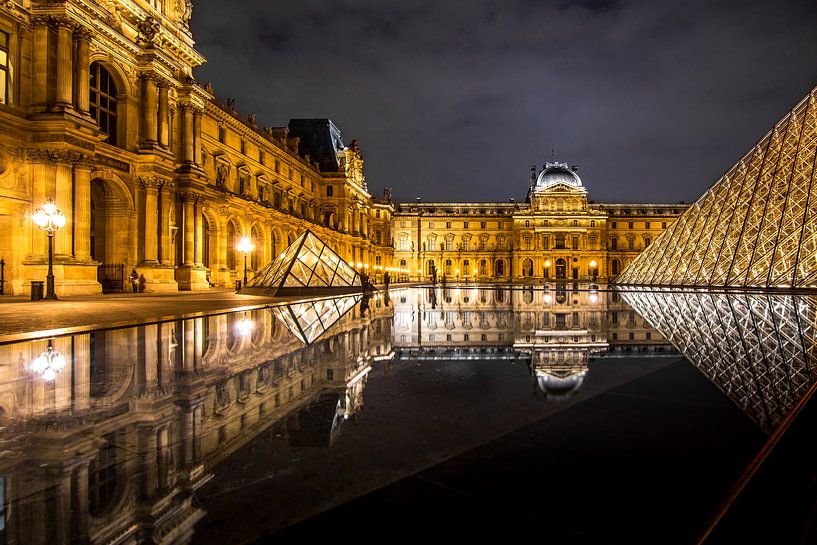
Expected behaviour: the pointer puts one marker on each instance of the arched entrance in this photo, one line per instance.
(527, 268)
(561, 269)
(110, 228)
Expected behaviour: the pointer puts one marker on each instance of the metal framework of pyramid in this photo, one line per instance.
(755, 228)
(757, 349)
(308, 321)
(307, 266)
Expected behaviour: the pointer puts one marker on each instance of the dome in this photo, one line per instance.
(557, 173)
(559, 387)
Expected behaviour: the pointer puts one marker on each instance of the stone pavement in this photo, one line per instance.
(21, 318)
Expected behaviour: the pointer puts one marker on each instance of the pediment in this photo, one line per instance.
(562, 189)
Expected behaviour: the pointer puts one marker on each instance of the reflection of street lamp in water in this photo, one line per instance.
(49, 219)
(48, 364)
(244, 326)
(245, 246)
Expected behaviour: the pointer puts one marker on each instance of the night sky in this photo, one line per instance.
(455, 100)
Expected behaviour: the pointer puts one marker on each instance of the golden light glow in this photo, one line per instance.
(593, 263)
(245, 245)
(547, 262)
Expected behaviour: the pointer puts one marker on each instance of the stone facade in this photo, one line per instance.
(556, 234)
(101, 114)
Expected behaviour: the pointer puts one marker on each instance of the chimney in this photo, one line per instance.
(532, 174)
(574, 168)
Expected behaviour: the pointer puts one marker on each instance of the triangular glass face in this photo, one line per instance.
(756, 227)
(757, 349)
(310, 320)
(307, 262)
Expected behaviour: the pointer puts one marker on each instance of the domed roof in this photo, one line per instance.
(559, 387)
(557, 173)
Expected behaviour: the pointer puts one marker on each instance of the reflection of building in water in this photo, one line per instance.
(556, 329)
(757, 349)
(116, 444)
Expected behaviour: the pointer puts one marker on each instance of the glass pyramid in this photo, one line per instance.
(756, 227)
(306, 263)
(760, 350)
(310, 320)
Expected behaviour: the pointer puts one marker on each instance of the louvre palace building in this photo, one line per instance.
(100, 114)
(557, 233)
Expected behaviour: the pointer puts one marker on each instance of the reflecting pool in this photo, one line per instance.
(575, 414)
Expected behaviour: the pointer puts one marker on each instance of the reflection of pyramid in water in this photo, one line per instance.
(759, 350)
(308, 321)
(756, 227)
(307, 265)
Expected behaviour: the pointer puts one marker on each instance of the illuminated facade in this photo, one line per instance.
(556, 234)
(100, 113)
(138, 418)
(756, 227)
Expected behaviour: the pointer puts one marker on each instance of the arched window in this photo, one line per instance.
(483, 267)
(616, 265)
(102, 477)
(448, 267)
(466, 267)
(429, 266)
(104, 101)
(231, 246)
(499, 267)
(258, 242)
(527, 267)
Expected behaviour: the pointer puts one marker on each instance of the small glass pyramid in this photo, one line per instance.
(309, 320)
(306, 263)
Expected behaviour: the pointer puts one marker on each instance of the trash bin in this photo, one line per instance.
(37, 290)
(238, 285)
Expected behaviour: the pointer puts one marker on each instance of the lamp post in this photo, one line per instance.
(49, 218)
(245, 246)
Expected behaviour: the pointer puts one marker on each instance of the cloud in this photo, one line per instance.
(455, 100)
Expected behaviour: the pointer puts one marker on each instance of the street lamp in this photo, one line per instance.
(48, 364)
(49, 218)
(245, 246)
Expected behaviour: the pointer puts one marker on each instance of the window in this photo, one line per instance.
(526, 243)
(560, 242)
(466, 244)
(500, 243)
(431, 225)
(448, 225)
(647, 241)
(243, 147)
(592, 223)
(546, 242)
(614, 243)
(527, 223)
(330, 191)
(403, 224)
(448, 267)
(630, 225)
(431, 244)
(222, 134)
(575, 243)
(483, 224)
(616, 265)
(261, 156)
(377, 214)
(330, 374)
(499, 267)
(4, 68)
(614, 225)
(465, 225)
(575, 223)
(104, 99)
(403, 243)
(631, 243)
(663, 225)
(646, 225)
(500, 225)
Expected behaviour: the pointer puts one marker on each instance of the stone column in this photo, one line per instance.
(64, 198)
(82, 372)
(187, 134)
(150, 110)
(189, 228)
(65, 69)
(83, 89)
(164, 115)
(39, 83)
(151, 251)
(165, 204)
(199, 232)
(82, 209)
(197, 136)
